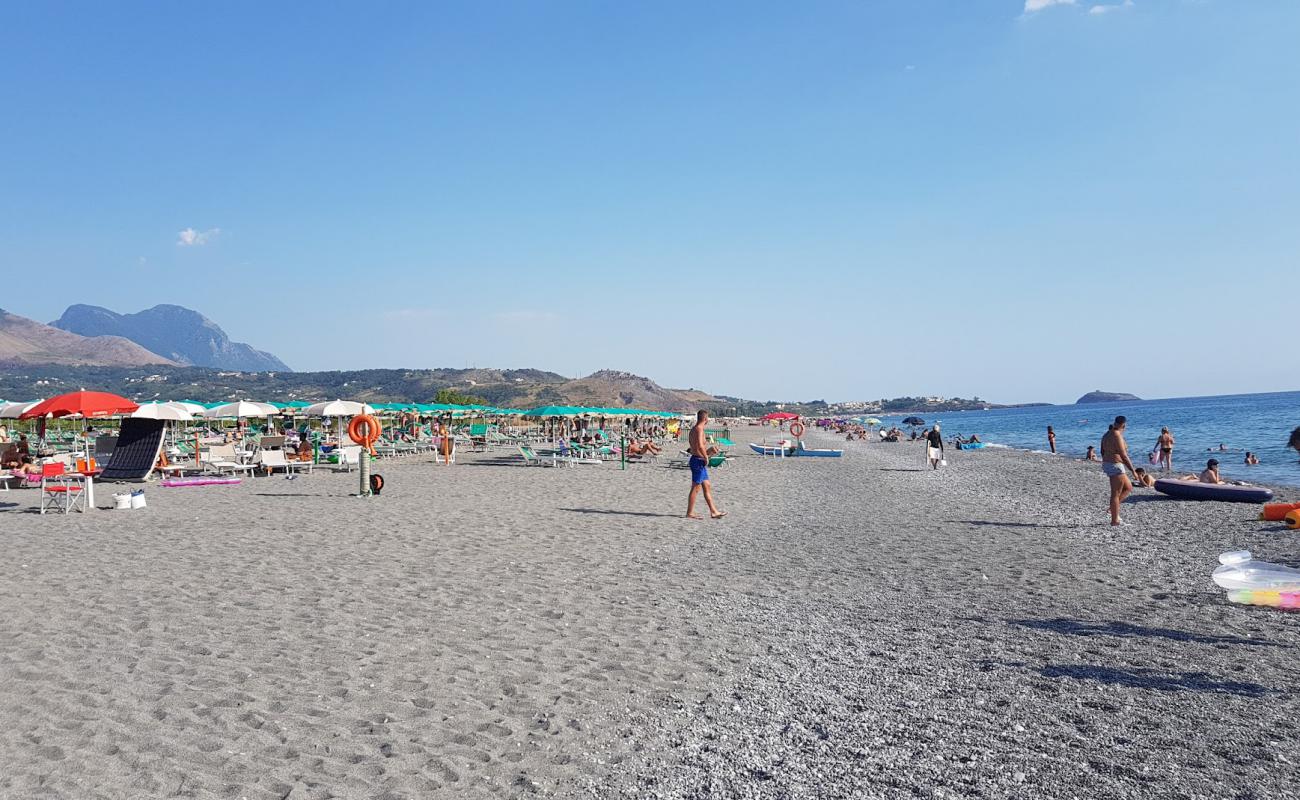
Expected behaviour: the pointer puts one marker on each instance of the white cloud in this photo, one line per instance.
(1038, 5)
(1102, 9)
(193, 238)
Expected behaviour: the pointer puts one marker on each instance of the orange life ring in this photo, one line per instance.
(796, 429)
(371, 434)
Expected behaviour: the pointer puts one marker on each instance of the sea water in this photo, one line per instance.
(1260, 423)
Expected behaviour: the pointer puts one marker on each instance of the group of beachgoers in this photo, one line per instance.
(1115, 459)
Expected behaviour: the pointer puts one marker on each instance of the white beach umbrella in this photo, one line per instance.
(242, 409)
(15, 409)
(193, 408)
(337, 408)
(167, 411)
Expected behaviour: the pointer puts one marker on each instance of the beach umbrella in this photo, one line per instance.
(173, 412)
(870, 421)
(15, 408)
(189, 405)
(554, 411)
(292, 405)
(338, 408)
(241, 409)
(85, 404)
(779, 416)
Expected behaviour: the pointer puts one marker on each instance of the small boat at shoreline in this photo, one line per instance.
(790, 450)
(800, 450)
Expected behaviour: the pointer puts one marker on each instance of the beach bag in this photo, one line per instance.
(1154, 458)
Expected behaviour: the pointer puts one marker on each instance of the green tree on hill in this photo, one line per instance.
(453, 397)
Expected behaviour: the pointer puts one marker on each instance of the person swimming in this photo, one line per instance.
(1251, 459)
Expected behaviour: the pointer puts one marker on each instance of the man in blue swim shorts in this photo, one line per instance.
(699, 449)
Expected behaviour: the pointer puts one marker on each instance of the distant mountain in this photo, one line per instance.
(523, 388)
(612, 389)
(1105, 397)
(25, 341)
(174, 332)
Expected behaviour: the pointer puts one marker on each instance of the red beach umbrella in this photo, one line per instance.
(87, 404)
(779, 415)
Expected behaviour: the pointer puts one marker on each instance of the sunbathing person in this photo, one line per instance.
(28, 466)
(1143, 478)
(1210, 475)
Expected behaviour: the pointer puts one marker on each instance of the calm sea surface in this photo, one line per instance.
(1260, 423)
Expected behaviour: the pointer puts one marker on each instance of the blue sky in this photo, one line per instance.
(768, 199)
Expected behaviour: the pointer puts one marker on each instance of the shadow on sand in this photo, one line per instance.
(618, 513)
(1076, 627)
(1139, 678)
(996, 524)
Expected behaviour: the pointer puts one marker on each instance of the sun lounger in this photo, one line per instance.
(222, 459)
(348, 456)
(271, 460)
(531, 459)
(139, 444)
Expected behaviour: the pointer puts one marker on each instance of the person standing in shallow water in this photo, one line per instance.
(1114, 458)
(699, 464)
(1051, 439)
(1165, 446)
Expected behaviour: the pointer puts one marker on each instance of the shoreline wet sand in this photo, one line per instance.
(854, 627)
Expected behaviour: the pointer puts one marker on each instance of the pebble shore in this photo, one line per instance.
(860, 627)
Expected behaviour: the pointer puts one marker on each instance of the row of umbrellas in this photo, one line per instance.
(93, 405)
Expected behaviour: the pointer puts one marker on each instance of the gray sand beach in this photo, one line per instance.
(854, 628)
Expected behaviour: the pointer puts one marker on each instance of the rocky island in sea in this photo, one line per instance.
(1098, 396)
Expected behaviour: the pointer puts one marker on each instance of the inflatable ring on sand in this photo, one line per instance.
(371, 434)
(796, 429)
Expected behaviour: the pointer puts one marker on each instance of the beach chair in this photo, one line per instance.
(348, 456)
(573, 456)
(271, 460)
(531, 459)
(60, 488)
(103, 448)
(222, 458)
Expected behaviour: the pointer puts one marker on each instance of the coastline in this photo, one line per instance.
(854, 626)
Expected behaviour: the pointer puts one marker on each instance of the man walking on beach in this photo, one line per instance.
(934, 446)
(1114, 457)
(700, 469)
